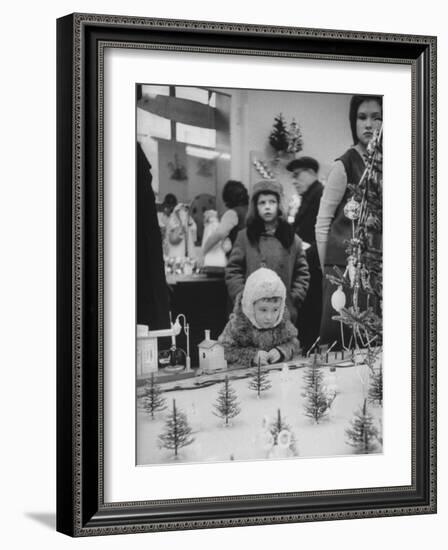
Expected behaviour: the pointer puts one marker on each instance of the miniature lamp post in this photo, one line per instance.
(147, 347)
(187, 334)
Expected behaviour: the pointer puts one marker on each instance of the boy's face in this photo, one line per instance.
(267, 206)
(266, 312)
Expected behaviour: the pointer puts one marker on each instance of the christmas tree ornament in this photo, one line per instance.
(352, 209)
(295, 141)
(338, 299)
(351, 270)
(262, 168)
(279, 137)
(365, 278)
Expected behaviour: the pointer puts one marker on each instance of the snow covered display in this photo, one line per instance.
(272, 428)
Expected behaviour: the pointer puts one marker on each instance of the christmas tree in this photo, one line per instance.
(177, 432)
(362, 434)
(364, 282)
(279, 425)
(259, 379)
(227, 405)
(153, 399)
(295, 140)
(376, 385)
(317, 401)
(279, 137)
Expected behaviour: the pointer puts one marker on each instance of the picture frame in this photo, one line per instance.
(81, 506)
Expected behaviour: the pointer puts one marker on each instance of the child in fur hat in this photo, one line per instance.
(259, 328)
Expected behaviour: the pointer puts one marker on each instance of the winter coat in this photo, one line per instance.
(305, 222)
(242, 340)
(290, 264)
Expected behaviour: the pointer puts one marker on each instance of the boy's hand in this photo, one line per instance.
(262, 357)
(274, 356)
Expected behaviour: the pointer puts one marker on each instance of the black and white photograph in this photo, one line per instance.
(259, 270)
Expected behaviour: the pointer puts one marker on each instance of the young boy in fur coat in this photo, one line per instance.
(259, 329)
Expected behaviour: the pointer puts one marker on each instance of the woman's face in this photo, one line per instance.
(368, 120)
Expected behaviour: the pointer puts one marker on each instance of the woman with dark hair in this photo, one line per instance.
(269, 241)
(333, 228)
(236, 199)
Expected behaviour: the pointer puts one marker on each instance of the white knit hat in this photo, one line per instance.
(262, 283)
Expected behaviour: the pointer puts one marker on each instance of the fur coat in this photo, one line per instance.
(242, 340)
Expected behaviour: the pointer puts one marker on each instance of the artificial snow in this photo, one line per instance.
(245, 438)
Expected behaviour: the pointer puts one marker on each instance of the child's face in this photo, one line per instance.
(267, 206)
(266, 312)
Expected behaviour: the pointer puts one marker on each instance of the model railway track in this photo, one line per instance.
(196, 380)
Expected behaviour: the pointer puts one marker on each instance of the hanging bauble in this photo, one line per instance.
(371, 146)
(338, 299)
(351, 269)
(372, 222)
(352, 209)
(365, 278)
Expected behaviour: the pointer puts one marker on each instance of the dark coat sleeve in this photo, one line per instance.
(235, 272)
(300, 276)
(152, 291)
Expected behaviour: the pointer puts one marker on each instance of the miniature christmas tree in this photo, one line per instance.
(279, 137)
(278, 426)
(259, 379)
(362, 434)
(227, 405)
(295, 140)
(376, 385)
(317, 401)
(177, 432)
(153, 399)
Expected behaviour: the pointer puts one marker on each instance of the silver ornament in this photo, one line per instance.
(352, 209)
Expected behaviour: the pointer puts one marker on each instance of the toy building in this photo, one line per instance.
(211, 355)
(147, 351)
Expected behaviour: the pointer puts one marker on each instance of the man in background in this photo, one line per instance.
(309, 189)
